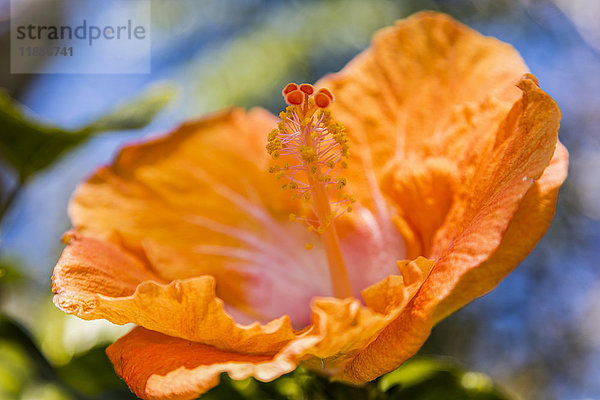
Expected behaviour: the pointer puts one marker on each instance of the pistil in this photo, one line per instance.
(316, 149)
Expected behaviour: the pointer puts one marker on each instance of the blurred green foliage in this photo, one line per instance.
(23, 368)
(289, 43)
(9, 272)
(30, 146)
(422, 378)
(26, 374)
(91, 373)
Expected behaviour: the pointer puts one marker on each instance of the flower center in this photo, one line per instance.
(314, 150)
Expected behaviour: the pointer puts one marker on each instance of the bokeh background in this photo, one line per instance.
(537, 335)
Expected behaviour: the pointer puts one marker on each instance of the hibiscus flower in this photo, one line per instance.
(451, 167)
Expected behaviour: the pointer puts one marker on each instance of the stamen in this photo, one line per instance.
(315, 149)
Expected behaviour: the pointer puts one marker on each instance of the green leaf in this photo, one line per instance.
(15, 370)
(300, 384)
(25, 373)
(11, 330)
(414, 372)
(92, 373)
(134, 114)
(45, 391)
(31, 146)
(9, 273)
(437, 378)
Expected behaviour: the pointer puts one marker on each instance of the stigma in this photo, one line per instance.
(313, 151)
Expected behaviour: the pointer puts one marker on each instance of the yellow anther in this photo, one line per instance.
(308, 154)
(308, 246)
(336, 128)
(293, 217)
(272, 135)
(326, 114)
(273, 147)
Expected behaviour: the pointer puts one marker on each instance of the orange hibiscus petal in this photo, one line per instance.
(399, 99)
(345, 327)
(189, 309)
(90, 267)
(403, 334)
(95, 279)
(158, 366)
(428, 186)
(164, 367)
(478, 222)
(154, 193)
(395, 291)
(526, 228)
(509, 206)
